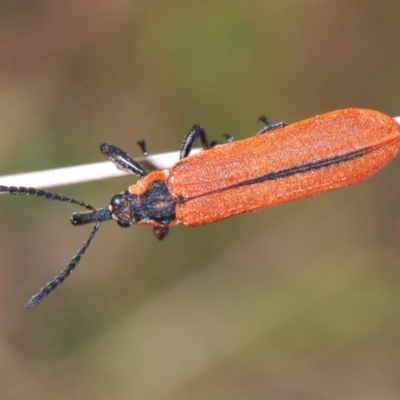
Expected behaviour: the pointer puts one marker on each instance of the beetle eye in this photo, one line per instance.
(116, 200)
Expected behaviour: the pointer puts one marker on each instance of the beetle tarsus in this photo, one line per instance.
(268, 126)
(143, 147)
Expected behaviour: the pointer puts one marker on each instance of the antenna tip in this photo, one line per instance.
(36, 299)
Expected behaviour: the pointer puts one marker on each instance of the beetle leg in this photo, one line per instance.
(268, 126)
(227, 136)
(143, 147)
(160, 231)
(122, 160)
(190, 139)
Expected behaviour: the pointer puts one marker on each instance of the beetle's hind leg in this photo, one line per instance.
(227, 136)
(268, 126)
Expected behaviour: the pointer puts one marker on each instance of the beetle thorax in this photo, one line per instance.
(155, 206)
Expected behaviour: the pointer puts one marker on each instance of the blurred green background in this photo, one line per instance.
(301, 301)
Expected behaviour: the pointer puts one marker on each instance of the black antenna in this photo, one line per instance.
(83, 218)
(44, 292)
(24, 191)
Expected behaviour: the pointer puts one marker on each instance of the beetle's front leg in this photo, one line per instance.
(122, 160)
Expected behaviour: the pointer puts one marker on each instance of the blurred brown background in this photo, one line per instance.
(301, 301)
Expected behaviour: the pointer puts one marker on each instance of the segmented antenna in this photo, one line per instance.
(50, 286)
(23, 191)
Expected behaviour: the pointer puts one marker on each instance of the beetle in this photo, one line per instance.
(280, 164)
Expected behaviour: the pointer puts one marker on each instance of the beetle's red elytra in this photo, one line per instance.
(300, 160)
(280, 164)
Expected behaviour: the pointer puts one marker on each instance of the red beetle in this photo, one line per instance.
(281, 163)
